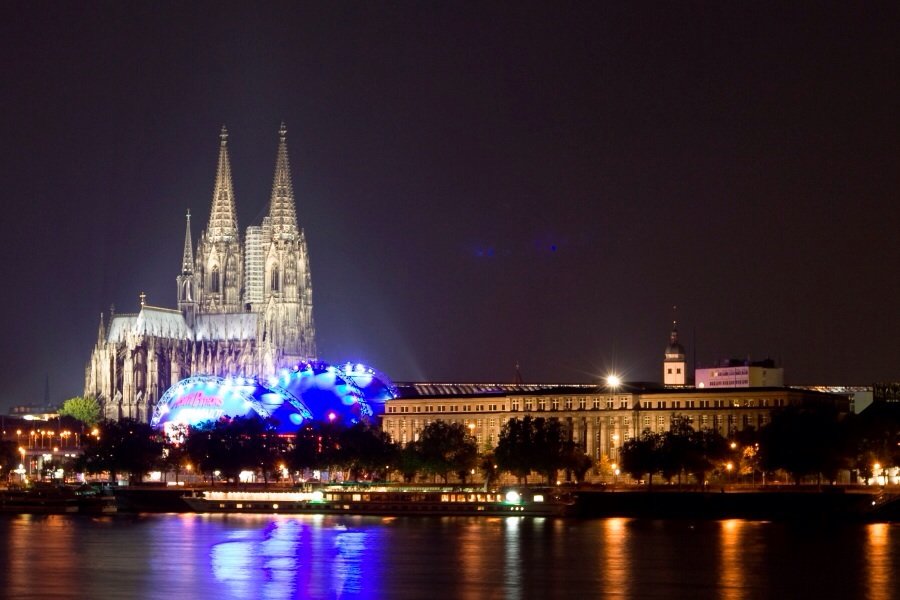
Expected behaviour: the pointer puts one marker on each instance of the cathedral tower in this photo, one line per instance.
(219, 263)
(186, 298)
(285, 284)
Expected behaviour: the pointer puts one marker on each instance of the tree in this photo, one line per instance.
(124, 446)
(804, 442)
(408, 461)
(515, 448)
(174, 458)
(9, 457)
(487, 464)
(537, 444)
(642, 456)
(234, 445)
(874, 438)
(446, 448)
(365, 451)
(316, 446)
(708, 448)
(550, 447)
(82, 408)
(576, 461)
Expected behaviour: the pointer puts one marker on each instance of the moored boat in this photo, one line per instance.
(41, 500)
(386, 501)
(52, 499)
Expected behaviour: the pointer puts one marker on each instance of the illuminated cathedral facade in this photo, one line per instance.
(244, 306)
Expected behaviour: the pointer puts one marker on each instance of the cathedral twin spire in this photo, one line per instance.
(226, 274)
(223, 215)
(282, 211)
(223, 225)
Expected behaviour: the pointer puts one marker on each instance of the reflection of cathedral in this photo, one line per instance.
(243, 309)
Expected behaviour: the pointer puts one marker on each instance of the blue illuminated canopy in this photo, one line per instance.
(313, 390)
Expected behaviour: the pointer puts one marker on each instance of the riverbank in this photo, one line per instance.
(770, 504)
(756, 504)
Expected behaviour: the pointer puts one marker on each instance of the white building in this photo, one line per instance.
(735, 375)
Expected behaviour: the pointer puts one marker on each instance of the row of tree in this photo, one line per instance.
(442, 452)
(803, 443)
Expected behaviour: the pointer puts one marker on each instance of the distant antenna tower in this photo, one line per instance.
(518, 375)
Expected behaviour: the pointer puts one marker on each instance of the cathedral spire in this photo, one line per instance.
(101, 331)
(222, 216)
(187, 260)
(282, 212)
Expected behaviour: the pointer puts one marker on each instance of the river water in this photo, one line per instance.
(246, 557)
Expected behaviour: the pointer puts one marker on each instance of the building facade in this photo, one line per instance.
(244, 306)
(598, 418)
(737, 373)
(601, 420)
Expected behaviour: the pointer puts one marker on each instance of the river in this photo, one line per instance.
(244, 557)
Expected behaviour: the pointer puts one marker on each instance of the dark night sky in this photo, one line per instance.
(480, 184)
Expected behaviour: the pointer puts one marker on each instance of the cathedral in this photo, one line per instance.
(244, 308)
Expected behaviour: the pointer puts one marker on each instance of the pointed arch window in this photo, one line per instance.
(214, 280)
(275, 281)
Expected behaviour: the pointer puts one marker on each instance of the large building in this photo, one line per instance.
(735, 373)
(600, 418)
(244, 306)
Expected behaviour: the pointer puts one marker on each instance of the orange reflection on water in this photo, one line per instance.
(878, 562)
(42, 553)
(615, 557)
(732, 581)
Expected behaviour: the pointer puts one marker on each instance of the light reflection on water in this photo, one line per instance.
(276, 557)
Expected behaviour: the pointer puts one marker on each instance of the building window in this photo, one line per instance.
(568, 404)
(515, 405)
(275, 280)
(678, 371)
(214, 280)
(669, 371)
(542, 404)
(556, 404)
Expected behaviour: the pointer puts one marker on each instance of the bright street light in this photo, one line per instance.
(613, 381)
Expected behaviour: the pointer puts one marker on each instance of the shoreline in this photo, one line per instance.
(829, 503)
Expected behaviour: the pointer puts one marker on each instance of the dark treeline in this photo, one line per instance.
(443, 452)
(798, 444)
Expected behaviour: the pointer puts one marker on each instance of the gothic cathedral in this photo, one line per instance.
(243, 309)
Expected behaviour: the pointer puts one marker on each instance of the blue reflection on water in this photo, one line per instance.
(292, 557)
